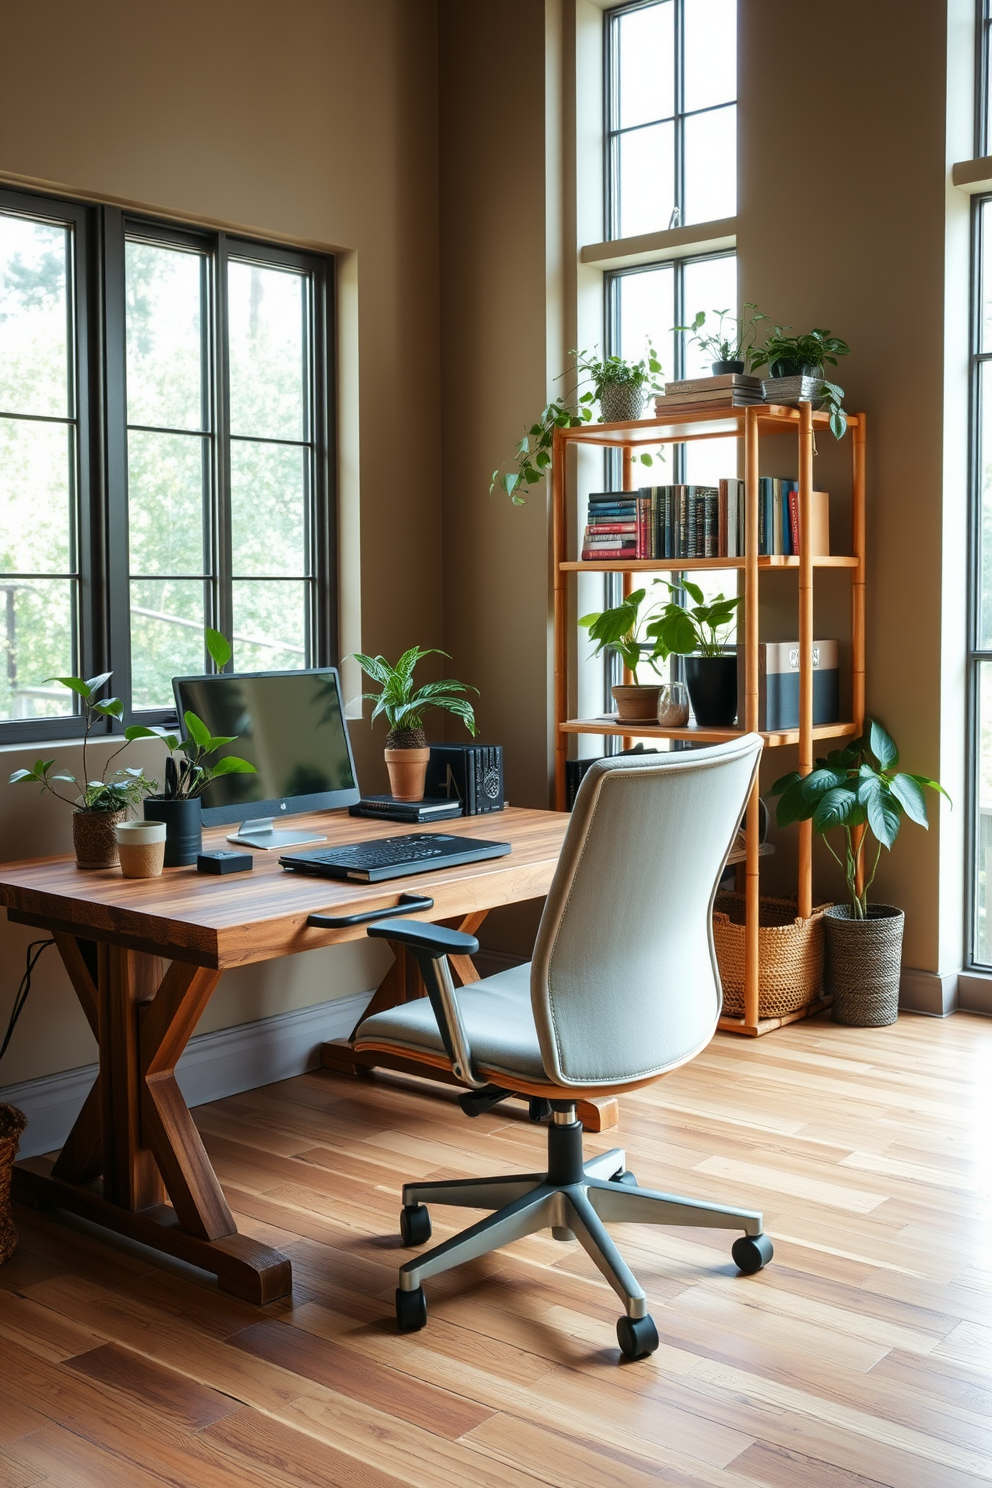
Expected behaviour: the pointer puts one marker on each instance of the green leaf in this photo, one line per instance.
(197, 730)
(232, 765)
(693, 591)
(219, 647)
(112, 708)
(793, 806)
(882, 747)
(833, 808)
(138, 731)
(22, 775)
(909, 793)
(884, 813)
(783, 782)
(819, 781)
(933, 785)
(647, 460)
(76, 684)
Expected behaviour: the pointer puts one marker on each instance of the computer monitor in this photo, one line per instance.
(291, 727)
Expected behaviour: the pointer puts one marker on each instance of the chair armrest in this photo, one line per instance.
(430, 945)
(435, 940)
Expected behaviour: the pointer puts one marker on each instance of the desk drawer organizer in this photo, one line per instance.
(790, 955)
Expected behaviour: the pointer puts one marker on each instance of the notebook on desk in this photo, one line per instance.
(394, 857)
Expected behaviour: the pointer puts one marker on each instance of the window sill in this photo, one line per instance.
(973, 176)
(675, 242)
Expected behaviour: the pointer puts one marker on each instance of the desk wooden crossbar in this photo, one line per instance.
(144, 957)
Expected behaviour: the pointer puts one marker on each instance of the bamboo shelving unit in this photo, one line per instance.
(747, 424)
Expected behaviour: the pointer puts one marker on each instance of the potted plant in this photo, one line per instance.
(795, 367)
(620, 388)
(187, 773)
(729, 346)
(98, 804)
(694, 631)
(407, 751)
(617, 631)
(859, 791)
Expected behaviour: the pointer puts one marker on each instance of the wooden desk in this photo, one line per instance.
(144, 957)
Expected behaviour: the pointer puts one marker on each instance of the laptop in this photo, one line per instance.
(394, 857)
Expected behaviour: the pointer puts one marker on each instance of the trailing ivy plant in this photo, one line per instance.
(532, 457)
(859, 786)
(796, 356)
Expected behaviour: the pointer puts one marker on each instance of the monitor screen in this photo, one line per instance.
(290, 726)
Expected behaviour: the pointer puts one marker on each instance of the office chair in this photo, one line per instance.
(623, 988)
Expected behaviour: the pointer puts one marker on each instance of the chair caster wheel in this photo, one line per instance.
(415, 1225)
(626, 1177)
(637, 1337)
(751, 1252)
(411, 1310)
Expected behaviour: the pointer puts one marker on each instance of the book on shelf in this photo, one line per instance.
(705, 402)
(718, 383)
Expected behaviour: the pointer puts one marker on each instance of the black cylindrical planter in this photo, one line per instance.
(720, 369)
(712, 684)
(183, 828)
(862, 967)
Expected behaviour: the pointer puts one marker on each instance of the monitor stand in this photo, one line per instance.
(260, 835)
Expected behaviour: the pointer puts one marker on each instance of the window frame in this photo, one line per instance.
(99, 369)
(976, 655)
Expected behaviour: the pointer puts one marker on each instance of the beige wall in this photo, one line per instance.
(312, 121)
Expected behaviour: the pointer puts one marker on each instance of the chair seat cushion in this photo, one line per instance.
(498, 1021)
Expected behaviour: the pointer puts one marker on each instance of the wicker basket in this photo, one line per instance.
(790, 955)
(863, 965)
(12, 1123)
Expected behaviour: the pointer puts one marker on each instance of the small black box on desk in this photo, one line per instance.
(470, 773)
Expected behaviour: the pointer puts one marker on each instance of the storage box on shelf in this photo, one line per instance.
(747, 424)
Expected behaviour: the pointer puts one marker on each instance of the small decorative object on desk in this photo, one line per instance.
(141, 847)
(407, 751)
(860, 792)
(617, 631)
(12, 1123)
(711, 676)
(673, 705)
(187, 773)
(469, 774)
(99, 805)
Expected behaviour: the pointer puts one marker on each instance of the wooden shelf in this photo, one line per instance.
(768, 1025)
(686, 565)
(703, 423)
(696, 735)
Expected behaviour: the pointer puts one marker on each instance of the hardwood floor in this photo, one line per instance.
(861, 1356)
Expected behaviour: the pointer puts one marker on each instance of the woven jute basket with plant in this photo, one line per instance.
(12, 1123)
(790, 955)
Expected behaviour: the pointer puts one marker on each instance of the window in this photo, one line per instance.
(210, 498)
(980, 664)
(671, 114)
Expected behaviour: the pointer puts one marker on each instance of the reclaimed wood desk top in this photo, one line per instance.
(220, 921)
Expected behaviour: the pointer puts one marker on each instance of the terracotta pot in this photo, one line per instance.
(636, 704)
(94, 837)
(407, 773)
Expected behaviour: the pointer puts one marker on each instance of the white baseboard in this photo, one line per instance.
(975, 992)
(213, 1065)
(932, 992)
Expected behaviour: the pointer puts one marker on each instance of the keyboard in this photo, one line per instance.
(394, 857)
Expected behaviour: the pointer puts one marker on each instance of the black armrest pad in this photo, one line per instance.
(436, 940)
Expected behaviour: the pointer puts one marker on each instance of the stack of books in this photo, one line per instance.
(731, 390)
(682, 521)
(611, 531)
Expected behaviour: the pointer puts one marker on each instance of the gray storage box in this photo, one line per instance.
(778, 684)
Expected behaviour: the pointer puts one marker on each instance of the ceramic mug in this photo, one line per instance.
(141, 848)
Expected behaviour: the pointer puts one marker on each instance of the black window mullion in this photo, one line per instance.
(118, 589)
(679, 131)
(221, 604)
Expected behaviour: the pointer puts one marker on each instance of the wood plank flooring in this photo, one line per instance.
(862, 1356)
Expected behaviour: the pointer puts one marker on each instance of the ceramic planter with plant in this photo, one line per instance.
(795, 371)
(697, 631)
(98, 805)
(730, 343)
(188, 773)
(404, 706)
(860, 793)
(620, 387)
(619, 632)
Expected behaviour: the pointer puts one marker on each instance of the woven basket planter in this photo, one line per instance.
(863, 963)
(12, 1123)
(790, 955)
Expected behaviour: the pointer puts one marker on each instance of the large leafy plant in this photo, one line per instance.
(698, 628)
(115, 790)
(187, 771)
(853, 788)
(617, 631)
(732, 338)
(795, 356)
(532, 457)
(404, 705)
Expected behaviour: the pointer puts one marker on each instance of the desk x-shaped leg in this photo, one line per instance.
(135, 1127)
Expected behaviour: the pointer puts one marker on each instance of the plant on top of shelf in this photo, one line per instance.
(697, 631)
(407, 751)
(729, 347)
(618, 632)
(99, 804)
(619, 386)
(805, 356)
(860, 792)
